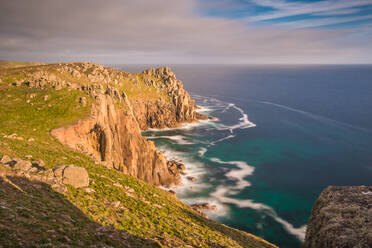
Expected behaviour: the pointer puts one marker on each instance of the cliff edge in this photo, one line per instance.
(55, 194)
(122, 104)
(342, 218)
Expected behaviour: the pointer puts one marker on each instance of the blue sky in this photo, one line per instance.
(188, 31)
(292, 13)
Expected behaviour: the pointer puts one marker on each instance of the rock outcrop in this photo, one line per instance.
(342, 218)
(112, 132)
(57, 177)
(158, 112)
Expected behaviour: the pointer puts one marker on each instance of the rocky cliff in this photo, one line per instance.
(342, 218)
(112, 136)
(122, 105)
(170, 111)
(55, 196)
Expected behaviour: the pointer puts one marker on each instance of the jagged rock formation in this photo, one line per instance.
(159, 112)
(342, 218)
(123, 104)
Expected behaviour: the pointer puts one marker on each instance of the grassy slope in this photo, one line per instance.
(34, 218)
(14, 64)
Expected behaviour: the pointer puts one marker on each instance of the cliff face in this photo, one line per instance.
(160, 112)
(112, 132)
(342, 218)
(112, 136)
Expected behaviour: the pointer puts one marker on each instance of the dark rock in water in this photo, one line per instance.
(176, 168)
(200, 116)
(342, 218)
(172, 192)
(192, 179)
(204, 206)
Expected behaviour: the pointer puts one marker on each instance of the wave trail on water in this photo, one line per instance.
(210, 105)
(223, 193)
(180, 139)
(317, 117)
(239, 174)
(202, 151)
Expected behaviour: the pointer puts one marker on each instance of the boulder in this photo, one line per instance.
(73, 175)
(22, 165)
(58, 172)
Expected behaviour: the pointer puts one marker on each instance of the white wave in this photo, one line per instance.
(239, 174)
(222, 209)
(299, 232)
(177, 138)
(186, 126)
(202, 151)
(222, 139)
(243, 120)
(193, 168)
(204, 109)
(222, 194)
(213, 104)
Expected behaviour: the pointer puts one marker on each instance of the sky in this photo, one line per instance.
(187, 31)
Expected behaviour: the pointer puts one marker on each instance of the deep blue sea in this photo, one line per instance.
(283, 134)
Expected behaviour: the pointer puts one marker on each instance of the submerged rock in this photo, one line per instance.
(192, 179)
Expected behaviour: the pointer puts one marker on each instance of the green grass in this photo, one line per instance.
(13, 64)
(148, 214)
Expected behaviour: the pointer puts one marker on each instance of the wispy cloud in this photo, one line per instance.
(287, 9)
(163, 31)
(322, 22)
(337, 12)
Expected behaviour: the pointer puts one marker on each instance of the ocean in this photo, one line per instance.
(282, 135)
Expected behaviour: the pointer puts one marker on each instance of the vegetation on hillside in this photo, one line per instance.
(119, 211)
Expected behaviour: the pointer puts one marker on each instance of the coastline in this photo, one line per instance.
(199, 192)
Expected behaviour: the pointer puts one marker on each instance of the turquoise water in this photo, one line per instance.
(282, 135)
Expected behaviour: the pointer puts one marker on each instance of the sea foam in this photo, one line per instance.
(222, 195)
